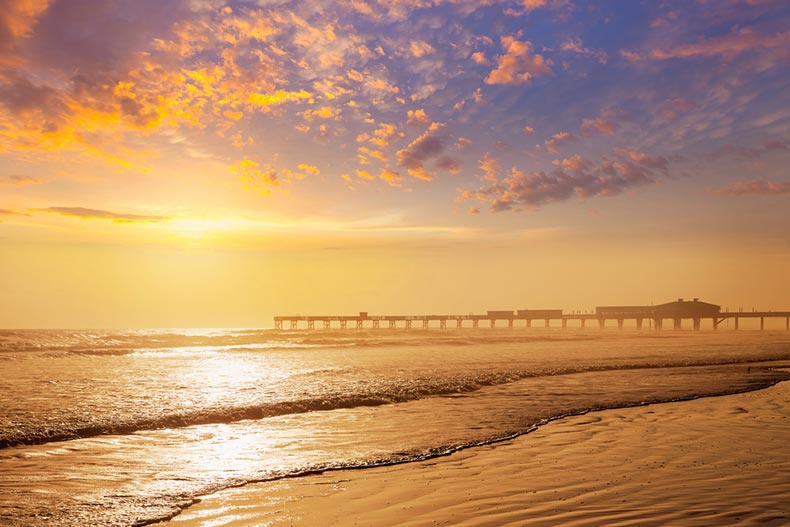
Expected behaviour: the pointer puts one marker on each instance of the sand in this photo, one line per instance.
(708, 462)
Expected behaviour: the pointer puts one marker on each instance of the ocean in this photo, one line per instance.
(123, 428)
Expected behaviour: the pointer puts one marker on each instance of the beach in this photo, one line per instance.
(709, 461)
(463, 427)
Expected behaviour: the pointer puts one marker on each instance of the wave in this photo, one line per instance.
(102, 343)
(401, 458)
(398, 394)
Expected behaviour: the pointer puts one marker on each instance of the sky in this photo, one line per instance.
(212, 163)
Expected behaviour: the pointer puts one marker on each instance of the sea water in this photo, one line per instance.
(127, 428)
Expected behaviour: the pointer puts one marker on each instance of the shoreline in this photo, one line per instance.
(366, 497)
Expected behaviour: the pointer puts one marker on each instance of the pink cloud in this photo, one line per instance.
(559, 139)
(674, 107)
(489, 166)
(757, 187)
(600, 125)
(631, 56)
(756, 152)
(573, 176)
(727, 45)
(530, 5)
(429, 146)
(518, 65)
(575, 45)
(480, 58)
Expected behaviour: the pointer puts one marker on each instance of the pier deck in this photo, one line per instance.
(526, 320)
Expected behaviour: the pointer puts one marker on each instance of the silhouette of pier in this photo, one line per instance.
(652, 316)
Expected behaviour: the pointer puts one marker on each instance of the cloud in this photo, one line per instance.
(727, 46)
(480, 58)
(518, 65)
(257, 177)
(572, 176)
(263, 100)
(630, 55)
(420, 48)
(490, 167)
(756, 187)
(600, 125)
(385, 134)
(430, 145)
(85, 213)
(559, 139)
(310, 170)
(530, 5)
(674, 107)
(19, 181)
(448, 164)
(755, 152)
(392, 178)
(417, 117)
(575, 45)
(324, 112)
(18, 17)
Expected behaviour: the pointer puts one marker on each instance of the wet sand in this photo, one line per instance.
(708, 462)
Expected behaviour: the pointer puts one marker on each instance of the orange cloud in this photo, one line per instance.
(325, 112)
(417, 117)
(384, 135)
(256, 178)
(420, 48)
(263, 100)
(531, 5)
(308, 169)
(378, 84)
(147, 89)
(392, 178)
(17, 18)
(490, 167)
(518, 64)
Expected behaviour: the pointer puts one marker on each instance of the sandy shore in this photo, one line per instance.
(709, 462)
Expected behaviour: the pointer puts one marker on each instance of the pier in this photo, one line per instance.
(654, 317)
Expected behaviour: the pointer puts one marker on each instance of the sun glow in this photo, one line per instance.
(202, 228)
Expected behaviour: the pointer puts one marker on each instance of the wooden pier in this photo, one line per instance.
(653, 317)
